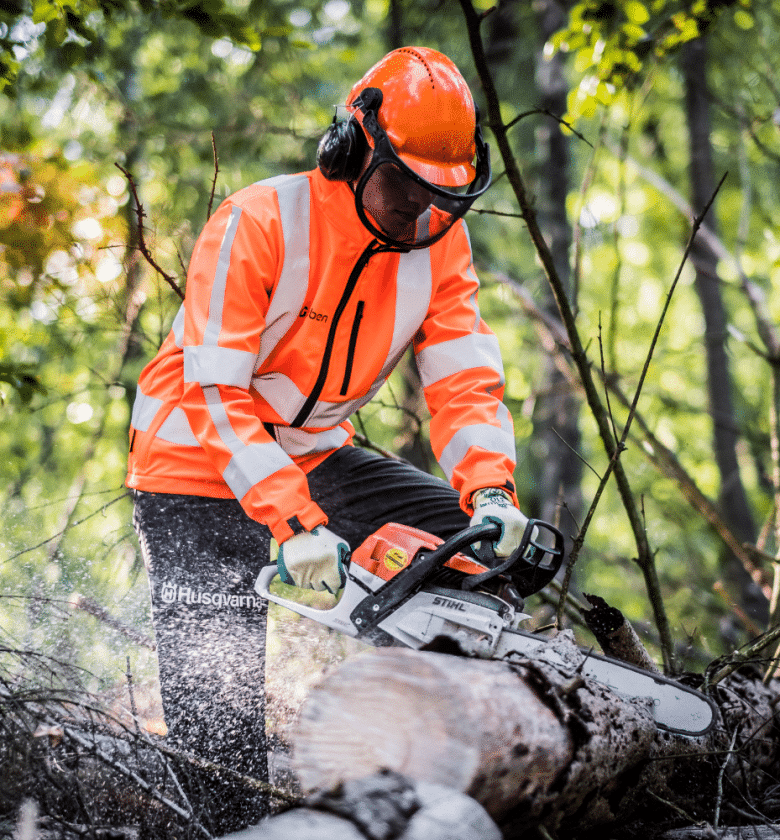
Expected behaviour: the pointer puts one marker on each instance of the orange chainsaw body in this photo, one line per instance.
(393, 547)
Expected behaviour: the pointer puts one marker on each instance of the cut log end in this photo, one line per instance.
(615, 635)
(466, 724)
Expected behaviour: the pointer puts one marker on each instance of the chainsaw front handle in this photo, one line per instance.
(375, 607)
(533, 564)
(337, 618)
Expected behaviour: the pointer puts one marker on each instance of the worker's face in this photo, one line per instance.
(395, 201)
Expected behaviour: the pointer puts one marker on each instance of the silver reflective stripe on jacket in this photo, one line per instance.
(439, 361)
(212, 365)
(250, 463)
(144, 410)
(490, 438)
(290, 292)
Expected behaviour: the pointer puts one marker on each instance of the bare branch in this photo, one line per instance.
(88, 605)
(142, 246)
(216, 172)
(70, 524)
(721, 668)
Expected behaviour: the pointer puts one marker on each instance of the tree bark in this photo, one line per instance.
(530, 740)
(616, 636)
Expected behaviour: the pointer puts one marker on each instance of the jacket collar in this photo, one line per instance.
(336, 202)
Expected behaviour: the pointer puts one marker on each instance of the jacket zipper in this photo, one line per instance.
(352, 344)
(374, 247)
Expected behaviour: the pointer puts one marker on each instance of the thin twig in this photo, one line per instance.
(62, 531)
(684, 814)
(610, 413)
(719, 795)
(742, 656)
(772, 668)
(131, 692)
(575, 453)
(366, 443)
(216, 172)
(646, 563)
(142, 246)
(547, 112)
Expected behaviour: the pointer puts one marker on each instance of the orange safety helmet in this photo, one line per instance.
(411, 149)
(427, 113)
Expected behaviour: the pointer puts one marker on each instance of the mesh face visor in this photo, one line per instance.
(400, 207)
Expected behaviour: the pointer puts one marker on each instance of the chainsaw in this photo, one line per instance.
(407, 587)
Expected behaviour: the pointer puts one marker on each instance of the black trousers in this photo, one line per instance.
(203, 555)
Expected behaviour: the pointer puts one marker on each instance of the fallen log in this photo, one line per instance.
(530, 740)
(758, 832)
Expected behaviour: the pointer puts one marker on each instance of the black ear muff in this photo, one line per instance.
(342, 150)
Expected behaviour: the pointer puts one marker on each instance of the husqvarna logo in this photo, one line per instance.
(168, 593)
(171, 593)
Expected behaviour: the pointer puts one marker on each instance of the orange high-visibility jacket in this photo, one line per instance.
(294, 317)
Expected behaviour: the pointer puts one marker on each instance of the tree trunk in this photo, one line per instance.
(726, 432)
(557, 408)
(411, 443)
(530, 740)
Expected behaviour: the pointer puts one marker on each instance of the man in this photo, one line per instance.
(303, 293)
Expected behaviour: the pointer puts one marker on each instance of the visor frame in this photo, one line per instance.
(368, 104)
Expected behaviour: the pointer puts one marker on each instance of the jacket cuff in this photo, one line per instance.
(468, 493)
(304, 520)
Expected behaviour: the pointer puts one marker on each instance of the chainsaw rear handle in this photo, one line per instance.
(337, 618)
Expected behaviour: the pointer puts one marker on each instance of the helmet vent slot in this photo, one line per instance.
(421, 59)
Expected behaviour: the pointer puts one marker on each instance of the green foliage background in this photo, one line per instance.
(157, 87)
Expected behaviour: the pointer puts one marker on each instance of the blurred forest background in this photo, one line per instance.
(613, 126)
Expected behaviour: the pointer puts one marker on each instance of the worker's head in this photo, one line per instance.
(411, 148)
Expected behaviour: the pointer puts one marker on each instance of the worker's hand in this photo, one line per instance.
(312, 560)
(495, 505)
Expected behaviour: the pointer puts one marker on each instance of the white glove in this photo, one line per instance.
(312, 560)
(495, 505)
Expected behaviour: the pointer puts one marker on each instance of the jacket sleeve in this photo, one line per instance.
(232, 272)
(459, 360)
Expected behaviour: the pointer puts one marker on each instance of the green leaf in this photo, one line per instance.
(45, 11)
(636, 12)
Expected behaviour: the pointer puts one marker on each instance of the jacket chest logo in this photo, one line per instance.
(314, 316)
